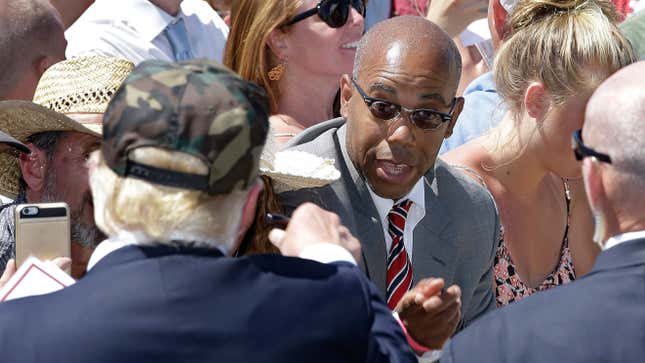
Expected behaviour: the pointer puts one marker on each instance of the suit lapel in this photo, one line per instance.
(367, 223)
(434, 251)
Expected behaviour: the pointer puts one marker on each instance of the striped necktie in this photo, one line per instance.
(399, 267)
(178, 39)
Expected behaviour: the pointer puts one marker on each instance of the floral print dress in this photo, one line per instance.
(508, 285)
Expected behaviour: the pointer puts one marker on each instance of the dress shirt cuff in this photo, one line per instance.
(424, 354)
(327, 253)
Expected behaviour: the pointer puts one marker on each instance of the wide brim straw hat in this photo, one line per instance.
(294, 169)
(66, 92)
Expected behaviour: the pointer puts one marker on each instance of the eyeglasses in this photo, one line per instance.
(333, 12)
(582, 151)
(426, 119)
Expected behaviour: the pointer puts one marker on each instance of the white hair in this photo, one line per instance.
(162, 214)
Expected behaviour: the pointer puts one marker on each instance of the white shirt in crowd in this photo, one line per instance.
(415, 215)
(134, 30)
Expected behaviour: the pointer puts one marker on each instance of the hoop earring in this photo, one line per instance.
(276, 72)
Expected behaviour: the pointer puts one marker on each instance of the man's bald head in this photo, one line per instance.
(412, 36)
(615, 125)
(615, 119)
(31, 38)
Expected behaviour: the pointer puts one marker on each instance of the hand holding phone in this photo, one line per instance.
(42, 230)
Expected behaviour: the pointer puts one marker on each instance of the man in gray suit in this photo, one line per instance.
(423, 225)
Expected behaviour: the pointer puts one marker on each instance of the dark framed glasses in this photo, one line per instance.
(426, 119)
(582, 151)
(333, 12)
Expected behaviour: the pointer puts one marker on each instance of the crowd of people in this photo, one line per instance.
(328, 180)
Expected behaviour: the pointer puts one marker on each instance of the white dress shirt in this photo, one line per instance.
(622, 238)
(415, 214)
(134, 30)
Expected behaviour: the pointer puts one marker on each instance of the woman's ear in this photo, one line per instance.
(33, 167)
(536, 100)
(278, 44)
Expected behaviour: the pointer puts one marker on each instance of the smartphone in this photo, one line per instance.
(43, 231)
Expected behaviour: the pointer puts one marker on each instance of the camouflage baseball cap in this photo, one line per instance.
(197, 107)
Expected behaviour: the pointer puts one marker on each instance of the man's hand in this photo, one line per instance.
(453, 16)
(312, 225)
(9, 270)
(429, 313)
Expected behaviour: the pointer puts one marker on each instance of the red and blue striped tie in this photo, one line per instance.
(399, 267)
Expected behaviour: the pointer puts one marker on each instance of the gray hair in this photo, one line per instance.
(26, 29)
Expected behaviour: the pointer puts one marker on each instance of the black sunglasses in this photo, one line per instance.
(426, 119)
(333, 12)
(582, 151)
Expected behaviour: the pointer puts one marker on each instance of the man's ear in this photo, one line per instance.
(536, 100)
(345, 93)
(42, 64)
(248, 211)
(278, 44)
(594, 188)
(456, 111)
(33, 167)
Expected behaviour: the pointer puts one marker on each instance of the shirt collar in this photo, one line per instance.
(148, 19)
(112, 244)
(623, 237)
(384, 205)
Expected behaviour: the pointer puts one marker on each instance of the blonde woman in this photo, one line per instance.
(555, 56)
(297, 50)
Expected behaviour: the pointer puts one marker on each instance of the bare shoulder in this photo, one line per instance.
(470, 157)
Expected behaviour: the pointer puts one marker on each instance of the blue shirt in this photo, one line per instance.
(483, 110)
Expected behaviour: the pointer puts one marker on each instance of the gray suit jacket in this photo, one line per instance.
(455, 240)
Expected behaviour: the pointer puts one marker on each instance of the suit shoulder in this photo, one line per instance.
(320, 139)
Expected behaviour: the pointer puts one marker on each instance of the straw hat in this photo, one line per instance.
(65, 92)
(293, 169)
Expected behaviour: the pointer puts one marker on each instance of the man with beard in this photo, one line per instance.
(61, 128)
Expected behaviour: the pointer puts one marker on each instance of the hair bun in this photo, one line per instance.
(531, 11)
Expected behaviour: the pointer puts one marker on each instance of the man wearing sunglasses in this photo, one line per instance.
(427, 231)
(600, 316)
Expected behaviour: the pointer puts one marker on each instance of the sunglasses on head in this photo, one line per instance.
(582, 151)
(426, 119)
(333, 12)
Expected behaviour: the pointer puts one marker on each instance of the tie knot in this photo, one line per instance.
(398, 215)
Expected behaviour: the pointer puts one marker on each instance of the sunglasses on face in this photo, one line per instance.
(426, 119)
(582, 151)
(333, 12)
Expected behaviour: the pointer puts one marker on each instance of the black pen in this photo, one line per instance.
(278, 220)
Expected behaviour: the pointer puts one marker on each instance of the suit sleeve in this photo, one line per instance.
(483, 299)
(386, 341)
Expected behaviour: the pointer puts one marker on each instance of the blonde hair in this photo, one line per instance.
(164, 214)
(247, 51)
(570, 46)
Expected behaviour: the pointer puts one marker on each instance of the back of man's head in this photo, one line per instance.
(180, 154)
(615, 125)
(32, 39)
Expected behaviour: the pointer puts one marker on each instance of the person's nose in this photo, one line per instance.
(401, 130)
(355, 19)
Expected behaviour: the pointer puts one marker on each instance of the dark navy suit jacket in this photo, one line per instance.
(165, 304)
(598, 318)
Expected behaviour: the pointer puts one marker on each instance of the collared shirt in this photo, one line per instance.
(134, 30)
(483, 110)
(320, 252)
(622, 238)
(415, 214)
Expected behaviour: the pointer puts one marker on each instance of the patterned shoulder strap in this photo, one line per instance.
(472, 173)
